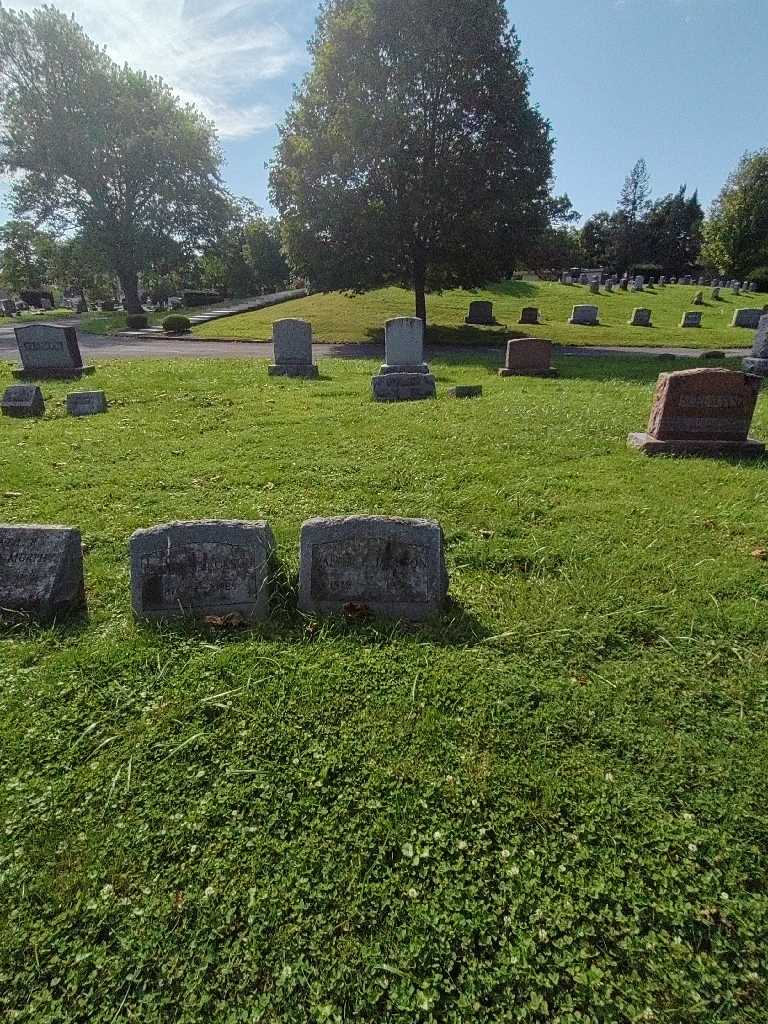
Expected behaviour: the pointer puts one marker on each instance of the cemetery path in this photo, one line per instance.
(96, 347)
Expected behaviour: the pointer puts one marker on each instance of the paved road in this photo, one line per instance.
(94, 347)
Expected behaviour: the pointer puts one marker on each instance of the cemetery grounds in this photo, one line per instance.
(547, 806)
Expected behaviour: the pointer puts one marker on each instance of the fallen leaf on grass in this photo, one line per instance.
(230, 621)
(760, 553)
(356, 610)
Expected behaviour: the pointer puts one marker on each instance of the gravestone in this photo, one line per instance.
(8, 307)
(716, 294)
(662, 281)
(639, 283)
(466, 391)
(22, 401)
(703, 411)
(214, 567)
(528, 357)
(48, 351)
(702, 282)
(404, 346)
(292, 343)
(584, 316)
(747, 318)
(736, 289)
(41, 571)
(594, 287)
(86, 403)
(529, 315)
(566, 279)
(403, 387)
(641, 318)
(390, 566)
(623, 284)
(691, 320)
(480, 314)
(753, 286)
(757, 361)
(698, 299)
(583, 279)
(609, 286)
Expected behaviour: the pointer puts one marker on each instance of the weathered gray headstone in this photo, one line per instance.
(86, 403)
(390, 566)
(584, 316)
(698, 299)
(691, 320)
(716, 294)
(204, 568)
(747, 318)
(624, 284)
(480, 313)
(528, 357)
(757, 362)
(49, 351)
(466, 391)
(529, 315)
(609, 285)
(594, 287)
(23, 400)
(583, 279)
(641, 318)
(662, 281)
(753, 286)
(704, 411)
(41, 571)
(404, 346)
(292, 343)
(639, 283)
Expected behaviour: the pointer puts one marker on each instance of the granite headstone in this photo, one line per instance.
(23, 401)
(49, 351)
(41, 571)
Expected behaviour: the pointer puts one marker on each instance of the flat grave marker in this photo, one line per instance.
(23, 401)
(86, 403)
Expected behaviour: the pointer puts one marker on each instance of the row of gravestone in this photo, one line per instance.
(637, 283)
(381, 565)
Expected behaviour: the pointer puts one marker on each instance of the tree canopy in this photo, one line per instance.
(412, 153)
(105, 149)
(736, 234)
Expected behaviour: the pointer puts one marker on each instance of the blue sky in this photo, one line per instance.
(682, 83)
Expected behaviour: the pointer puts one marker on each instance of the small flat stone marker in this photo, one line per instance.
(480, 313)
(292, 343)
(393, 567)
(22, 401)
(466, 391)
(701, 412)
(757, 361)
(529, 315)
(747, 318)
(86, 403)
(528, 357)
(48, 351)
(41, 571)
(691, 320)
(641, 318)
(208, 567)
(584, 316)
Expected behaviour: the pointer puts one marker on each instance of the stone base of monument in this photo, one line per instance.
(466, 391)
(403, 368)
(650, 445)
(478, 322)
(583, 323)
(307, 370)
(54, 373)
(403, 387)
(757, 366)
(523, 372)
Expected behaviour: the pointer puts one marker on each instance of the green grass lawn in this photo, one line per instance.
(115, 323)
(25, 318)
(341, 317)
(548, 806)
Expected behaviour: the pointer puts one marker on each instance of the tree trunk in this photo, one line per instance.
(419, 285)
(129, 282)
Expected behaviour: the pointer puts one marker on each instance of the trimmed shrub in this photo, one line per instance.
(177, 324)
(136, 321)
(760, 276)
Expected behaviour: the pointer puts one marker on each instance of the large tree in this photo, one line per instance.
(736, 234)
(412, 153)
(673, 231)
(103, 148)
(26, 256)
(248, 254)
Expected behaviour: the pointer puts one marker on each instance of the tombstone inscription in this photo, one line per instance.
(392, 566)
(86, 403)
(584, 316)
(702, 411)
(48, 351)
(213, 567)
(41, 571)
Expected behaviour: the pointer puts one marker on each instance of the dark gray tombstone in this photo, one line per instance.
(691, 320)
(49, 351)
(747, 318)
(480, 314)
(86, 403)
(529, 315)
(701, 411)
(200, 569)
(386, 565)
(41, 571)
(22, 401)
(641, 318)
(584, 316)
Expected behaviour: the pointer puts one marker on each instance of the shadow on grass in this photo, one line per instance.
(640, 369)
(23, 626)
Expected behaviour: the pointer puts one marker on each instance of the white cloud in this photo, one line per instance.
(214, 54)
